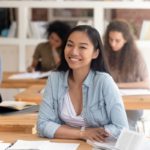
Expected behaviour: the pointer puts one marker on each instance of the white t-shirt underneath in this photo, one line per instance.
(68, 114)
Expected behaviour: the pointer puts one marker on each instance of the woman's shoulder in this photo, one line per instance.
(103, 78)
(102, 75)
(55, 75)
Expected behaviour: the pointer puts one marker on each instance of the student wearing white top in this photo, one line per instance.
(80, 93)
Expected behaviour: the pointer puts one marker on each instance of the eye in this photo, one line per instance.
(82, 47)
(69, 45)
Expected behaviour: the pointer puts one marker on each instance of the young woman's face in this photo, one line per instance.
(54, 40)
(116, 40)
(79, 51)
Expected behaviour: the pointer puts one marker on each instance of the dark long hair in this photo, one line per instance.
(98, 64)
(125, 61)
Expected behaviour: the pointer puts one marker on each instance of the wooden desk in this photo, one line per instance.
(24, 123)
(134, 85)
(33, 94)
(21, 83)
(12, 137)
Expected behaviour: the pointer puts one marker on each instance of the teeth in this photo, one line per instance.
(74, 59)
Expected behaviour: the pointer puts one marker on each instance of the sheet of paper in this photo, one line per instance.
(27, 75)
(109, 144)
(43, 145)
(3, 146)
(60, 146)
(16, 104)
(42, 91)
(134, 92)
(130, 140)
(146, 144)
(21, 144)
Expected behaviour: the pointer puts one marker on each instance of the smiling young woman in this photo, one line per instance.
(80, 93)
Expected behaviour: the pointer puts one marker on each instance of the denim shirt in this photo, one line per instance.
(102, 103)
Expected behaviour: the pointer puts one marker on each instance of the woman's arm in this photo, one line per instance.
(114, 107)
(56, 56)
(67, 132)
(49, 124)
(33, 65)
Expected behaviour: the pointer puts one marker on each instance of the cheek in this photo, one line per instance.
(121, 45)
(65, 53)
(59, 43)
(56, 44)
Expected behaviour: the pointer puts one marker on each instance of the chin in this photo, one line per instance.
(116, 50)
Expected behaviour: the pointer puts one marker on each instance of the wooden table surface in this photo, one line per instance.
(24, 123)
(33, 94)
(134, 85)
(12, 137)
(19, 83)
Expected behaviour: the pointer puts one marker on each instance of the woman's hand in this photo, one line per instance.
(30, 69)
(94, 134)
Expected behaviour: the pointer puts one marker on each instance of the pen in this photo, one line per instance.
(10, 146)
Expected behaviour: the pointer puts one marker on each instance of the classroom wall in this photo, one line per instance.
(10, 59)
(29, 54)
(135, 20)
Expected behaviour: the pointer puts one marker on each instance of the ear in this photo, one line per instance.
(95, 54)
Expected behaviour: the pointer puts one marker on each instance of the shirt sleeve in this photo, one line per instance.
(115, 108)
(37, 54)
(48, 121)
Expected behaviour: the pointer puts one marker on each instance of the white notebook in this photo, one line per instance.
(128, 140)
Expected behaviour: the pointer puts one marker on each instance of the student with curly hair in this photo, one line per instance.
(47, 55)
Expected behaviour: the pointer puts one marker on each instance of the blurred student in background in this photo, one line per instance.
(125, 61)
(0, 77)
(1, 71)
(47, 55)
(80, 94)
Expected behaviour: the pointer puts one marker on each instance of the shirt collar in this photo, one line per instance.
(89, 78)
(86, 82)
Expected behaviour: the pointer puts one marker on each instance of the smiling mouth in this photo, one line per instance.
(74, 59)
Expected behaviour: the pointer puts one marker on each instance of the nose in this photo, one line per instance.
(75, 51)
(113, 43)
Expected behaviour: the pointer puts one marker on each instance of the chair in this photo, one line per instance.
(144, 123)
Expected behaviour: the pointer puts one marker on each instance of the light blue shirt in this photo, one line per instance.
(102, 103)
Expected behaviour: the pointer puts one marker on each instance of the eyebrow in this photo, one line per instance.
(80, 43)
